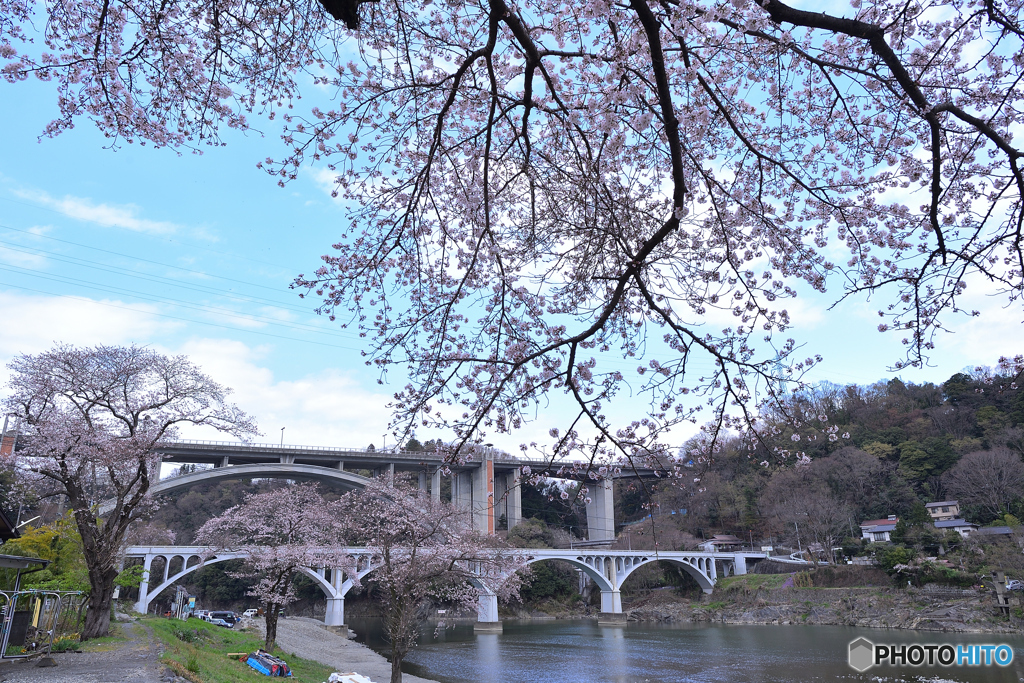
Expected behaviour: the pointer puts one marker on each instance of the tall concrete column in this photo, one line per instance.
(514, 507)
(391, 474)
(225, 461)
(483, 495)
(341, 465)
(462, 490)
(601, 511)
(435, 485)
(421, 481)
(740, 566)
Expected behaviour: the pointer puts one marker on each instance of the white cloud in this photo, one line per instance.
(111, 215)
(328, 408)
(33, 323)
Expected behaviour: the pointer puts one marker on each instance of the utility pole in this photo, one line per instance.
(282, 436)
(798, 546)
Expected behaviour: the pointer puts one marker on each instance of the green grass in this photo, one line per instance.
(205, 647)
(751, 581)
(116, 639)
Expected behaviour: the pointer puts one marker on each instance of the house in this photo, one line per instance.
(961, 526)
(878, 530)
(720, 543)
(943, 510)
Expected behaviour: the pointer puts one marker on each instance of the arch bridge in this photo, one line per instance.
(608, 569)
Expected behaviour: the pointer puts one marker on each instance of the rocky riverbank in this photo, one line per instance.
(954, 611)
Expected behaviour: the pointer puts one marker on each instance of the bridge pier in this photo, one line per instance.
(435, 485)
(601, 511)
(142, 604)
(335, 615)
(611, 601)
(487, 613)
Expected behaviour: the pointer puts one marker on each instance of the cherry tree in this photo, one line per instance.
(281, 531)
(427, 551)
(94, 418)
(597, 199)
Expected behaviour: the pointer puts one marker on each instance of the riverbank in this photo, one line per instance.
(309, 639)
(871, 607)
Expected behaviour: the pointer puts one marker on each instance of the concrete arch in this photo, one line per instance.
(594, 573)
(698, 571)
(324, 585)
(260, 471)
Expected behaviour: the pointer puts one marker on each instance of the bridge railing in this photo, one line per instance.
(383, 452)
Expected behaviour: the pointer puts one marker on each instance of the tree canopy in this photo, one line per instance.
(536, 187)
(94, 417)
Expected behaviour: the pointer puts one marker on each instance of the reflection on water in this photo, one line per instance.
(582, 651)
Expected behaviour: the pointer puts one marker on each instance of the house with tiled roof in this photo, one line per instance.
(878, 530)
(961, 526)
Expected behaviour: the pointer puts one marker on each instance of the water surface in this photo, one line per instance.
(584, 652)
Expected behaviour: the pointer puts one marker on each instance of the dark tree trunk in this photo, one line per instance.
(97, 617)
(396, 666)
(271, 621)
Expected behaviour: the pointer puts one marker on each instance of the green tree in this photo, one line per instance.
(59, 543)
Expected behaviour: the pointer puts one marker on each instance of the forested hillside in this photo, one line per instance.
(858, 453)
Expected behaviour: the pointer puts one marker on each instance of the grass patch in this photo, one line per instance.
(751, 582)
(113, 641)
(198, 651)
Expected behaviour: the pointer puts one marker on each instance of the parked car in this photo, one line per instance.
(251, 613)
(222, 619)
(1014, 585)
(201, 614)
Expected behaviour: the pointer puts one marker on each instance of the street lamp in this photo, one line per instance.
(282, 436)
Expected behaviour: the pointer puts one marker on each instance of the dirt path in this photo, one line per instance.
(137, 660)
(308, 639)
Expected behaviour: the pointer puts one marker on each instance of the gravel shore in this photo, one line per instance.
(307, 638)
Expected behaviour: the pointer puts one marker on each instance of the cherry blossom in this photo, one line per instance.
(94, 417)
(281, 531)
(606, 201)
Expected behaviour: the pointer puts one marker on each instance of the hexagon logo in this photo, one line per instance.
(862, 654)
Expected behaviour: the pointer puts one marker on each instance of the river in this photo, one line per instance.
(581, 651)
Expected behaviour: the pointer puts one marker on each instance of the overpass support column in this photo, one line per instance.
(601, 511)
(335, 615)
(740, 565)
(514, 508)
(225, 461)
(483, 494)
(435, 485)
(421, 482)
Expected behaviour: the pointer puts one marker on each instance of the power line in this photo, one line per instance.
(86, 263)
(156, 263)
(174, 317)
(177, 302)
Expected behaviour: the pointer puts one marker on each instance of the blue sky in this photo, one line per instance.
(194, 253)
